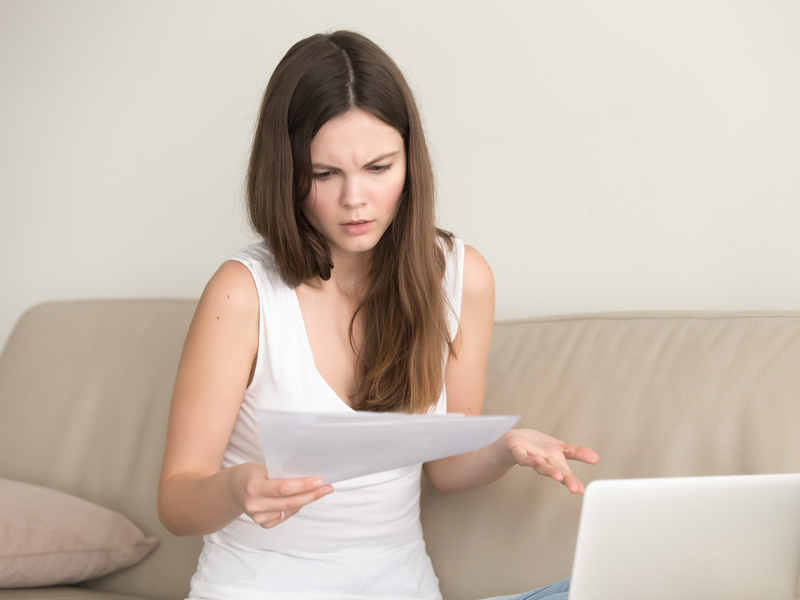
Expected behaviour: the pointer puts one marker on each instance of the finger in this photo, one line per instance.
(273, 518)
(278, 488)
(542, 467)
(560, 464)
(580, 453)
(564, 476)
(297, 501)
(527, 458)
(281, 515)
(573, 484)
(269, 504)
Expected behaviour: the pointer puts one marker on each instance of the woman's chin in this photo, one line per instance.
(357, 244)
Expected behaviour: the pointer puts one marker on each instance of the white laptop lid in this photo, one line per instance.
(690, 538)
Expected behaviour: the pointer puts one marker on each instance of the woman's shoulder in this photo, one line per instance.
(478, 279)
(231, 291)
(227, 314)
(257, 254)
(468, 282)
(259, 260)
(476, 275)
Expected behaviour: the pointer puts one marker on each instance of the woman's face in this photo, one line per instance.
(359, 167)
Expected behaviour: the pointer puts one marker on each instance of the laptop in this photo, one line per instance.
(689, 538)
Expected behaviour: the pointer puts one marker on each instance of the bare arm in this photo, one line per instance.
(194, 496)
(465, 380)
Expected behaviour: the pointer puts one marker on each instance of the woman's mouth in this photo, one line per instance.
(356, 227)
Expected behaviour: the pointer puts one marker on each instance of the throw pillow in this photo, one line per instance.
(48, 537)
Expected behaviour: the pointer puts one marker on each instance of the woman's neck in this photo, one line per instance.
(348, 276)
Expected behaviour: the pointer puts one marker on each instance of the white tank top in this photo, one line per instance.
(363, 541)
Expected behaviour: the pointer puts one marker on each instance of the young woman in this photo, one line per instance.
(353, 301)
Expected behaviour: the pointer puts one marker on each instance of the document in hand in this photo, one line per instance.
(339, 446)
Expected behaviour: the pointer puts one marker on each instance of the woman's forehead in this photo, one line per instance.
(355, 135)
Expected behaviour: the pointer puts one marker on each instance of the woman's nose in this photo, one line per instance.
(352, 194)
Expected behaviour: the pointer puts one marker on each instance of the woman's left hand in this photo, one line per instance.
(546, 455)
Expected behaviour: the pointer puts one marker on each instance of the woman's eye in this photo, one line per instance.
(323, 175)
(380, 168)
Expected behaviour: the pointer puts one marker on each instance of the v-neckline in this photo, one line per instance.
(303, 334)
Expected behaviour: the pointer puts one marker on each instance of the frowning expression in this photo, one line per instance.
(359, 167)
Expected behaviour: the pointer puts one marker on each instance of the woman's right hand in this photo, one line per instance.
(195, 495)
(269, 502)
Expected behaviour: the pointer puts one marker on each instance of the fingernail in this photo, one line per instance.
(318, 483)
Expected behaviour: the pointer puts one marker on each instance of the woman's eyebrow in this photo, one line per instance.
(370, 163)
(382, 157)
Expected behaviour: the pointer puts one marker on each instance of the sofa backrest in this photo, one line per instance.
(655, 394)
(85, 389)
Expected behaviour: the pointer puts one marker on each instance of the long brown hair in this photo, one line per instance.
(405, 334)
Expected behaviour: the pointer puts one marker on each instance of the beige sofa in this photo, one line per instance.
(85, 390)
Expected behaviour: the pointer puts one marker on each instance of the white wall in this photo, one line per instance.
(602, 155)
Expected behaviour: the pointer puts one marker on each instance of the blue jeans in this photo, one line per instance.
(554, 591)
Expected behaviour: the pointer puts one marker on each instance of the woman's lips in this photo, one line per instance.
(357, 228)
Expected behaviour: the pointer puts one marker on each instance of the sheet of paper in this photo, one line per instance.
(339, 446)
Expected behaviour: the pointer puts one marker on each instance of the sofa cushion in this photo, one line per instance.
(62, 593)
(52, 538)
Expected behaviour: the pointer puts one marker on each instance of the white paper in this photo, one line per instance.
(339, 446)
